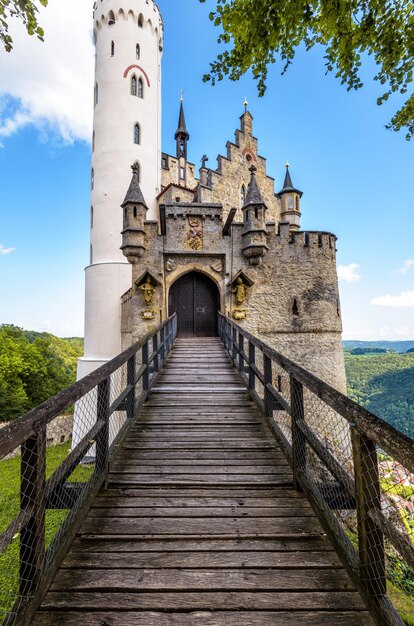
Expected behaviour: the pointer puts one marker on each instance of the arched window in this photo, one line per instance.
(290, 201)
(137, 134)
(96, 94)
(141, 21)
(295, 308)
(297, 203)
(138, 51)
(111, 18)
(134, 86)
(140, 88)
(112, 48)
(242, 195)
(92, 178)
(93, 141)
(135, 211)
(91, 217)
(91, 255)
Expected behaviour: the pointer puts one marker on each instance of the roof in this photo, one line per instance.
(253, 195)
(134, 194)
(182, 128)
(288, 185)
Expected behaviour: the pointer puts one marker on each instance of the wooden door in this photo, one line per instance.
(195, 299)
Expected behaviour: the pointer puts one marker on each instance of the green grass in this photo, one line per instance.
(9, 508)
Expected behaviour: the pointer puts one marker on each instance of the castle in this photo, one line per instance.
(170, 239)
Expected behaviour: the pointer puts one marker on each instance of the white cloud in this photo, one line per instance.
(404, 299)
(4, 251)
(50, 85)
(405, 266)
(348, 273)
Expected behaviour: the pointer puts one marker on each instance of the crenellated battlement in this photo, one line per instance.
(311, 239)
(143, 13)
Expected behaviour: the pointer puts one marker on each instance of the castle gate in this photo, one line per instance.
(195, 298)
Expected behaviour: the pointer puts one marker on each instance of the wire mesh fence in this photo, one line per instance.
(46, 491)
(357, 471)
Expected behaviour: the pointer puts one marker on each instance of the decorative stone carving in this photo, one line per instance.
(148, 315)
(170, 265)
(195, 233)
(239, 314)
(217, 266)
(240, 291)
(148, 291)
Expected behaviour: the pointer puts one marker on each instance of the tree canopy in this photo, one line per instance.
(24, 10)
(258, 33)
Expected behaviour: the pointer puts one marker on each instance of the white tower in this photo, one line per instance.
(127, 129)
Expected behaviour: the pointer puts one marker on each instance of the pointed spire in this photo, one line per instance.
(134, 194)
(182, 128)
(288, 185)
(253, 195)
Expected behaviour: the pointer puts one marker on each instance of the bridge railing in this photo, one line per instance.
(50, 489)
(356, 470)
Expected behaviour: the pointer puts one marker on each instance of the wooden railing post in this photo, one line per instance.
(32, 496)
(267, 375)
(298, 438)
(102, 438)
(234, 346)
(145, 375)
(252, 361)
(162, 340)
(241, 349)
(155, 350)
(131, 381)
(368, 497)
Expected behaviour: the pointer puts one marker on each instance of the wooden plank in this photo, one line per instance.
(207, 618)
(164, 512)
(212, 491)
(203, 580)
(203, 560)
(201, 526)
(96, 544)
(212, 456)
(293, 601)
(199, 479)
(133, 467)
(235, 504)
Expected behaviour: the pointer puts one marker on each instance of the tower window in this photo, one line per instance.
(242, 195)
(112, 48)
(96, 94)
(138, 51)
(92, 178)
(125, 215)
(111, 18)
(135, 211)
(91, 255)
(290, 202)
(134, 86)
(297, 203)
(137, 134)
(164, 161)
(91, 217)
(140, 88)
(182, 173)
(93, 141)
(141, 21)
(295, 308)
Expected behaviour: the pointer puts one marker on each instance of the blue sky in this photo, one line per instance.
(357, 178)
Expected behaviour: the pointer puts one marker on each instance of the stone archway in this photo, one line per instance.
(196, 300)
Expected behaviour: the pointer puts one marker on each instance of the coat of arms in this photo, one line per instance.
(195, 233)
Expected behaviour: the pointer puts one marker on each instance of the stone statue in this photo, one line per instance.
(240, 291)
(148, 291)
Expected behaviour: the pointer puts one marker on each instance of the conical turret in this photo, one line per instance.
(254, 235)
(182, 135)
(290, 200)
(135, 213)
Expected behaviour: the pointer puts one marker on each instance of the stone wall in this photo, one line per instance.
(57, 432)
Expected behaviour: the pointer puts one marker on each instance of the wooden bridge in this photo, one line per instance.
(207, 509)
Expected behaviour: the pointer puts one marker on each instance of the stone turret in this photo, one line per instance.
(254, 235)
(135, 212)
(290, 201)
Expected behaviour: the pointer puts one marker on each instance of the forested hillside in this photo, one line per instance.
(384, 384)
(33, 367)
